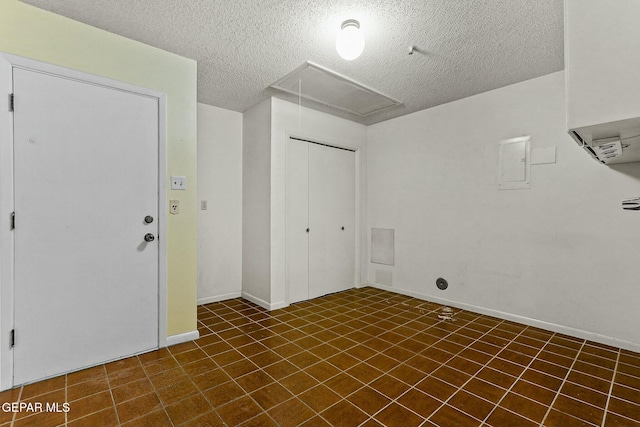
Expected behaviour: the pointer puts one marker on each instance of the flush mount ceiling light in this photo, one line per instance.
(350, 41)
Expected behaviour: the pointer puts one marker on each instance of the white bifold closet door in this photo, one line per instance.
(321, 194)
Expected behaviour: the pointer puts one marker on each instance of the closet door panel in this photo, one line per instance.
(340, 189)
(297, 217)
(319, 197)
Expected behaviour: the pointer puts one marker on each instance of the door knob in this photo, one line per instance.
(307, 230)
(148, 219)
(342, 228)
(149, 237)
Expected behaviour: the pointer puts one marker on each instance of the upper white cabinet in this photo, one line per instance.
(602, 64)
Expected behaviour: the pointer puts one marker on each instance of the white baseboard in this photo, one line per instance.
(216, 298)
(553, 327)
(262, 303)
(180, 338)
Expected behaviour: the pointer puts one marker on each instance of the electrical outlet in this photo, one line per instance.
(178, 182)
(174, 207)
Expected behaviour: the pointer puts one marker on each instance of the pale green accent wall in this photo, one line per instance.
(31, 32)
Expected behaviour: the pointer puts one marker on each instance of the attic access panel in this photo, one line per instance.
(316, 83)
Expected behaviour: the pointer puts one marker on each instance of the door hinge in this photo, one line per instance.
(13, 220)
(13, 338)
(11, 102)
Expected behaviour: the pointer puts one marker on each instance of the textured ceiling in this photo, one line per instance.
(465, 46)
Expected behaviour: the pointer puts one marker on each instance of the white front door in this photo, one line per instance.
(86, 176)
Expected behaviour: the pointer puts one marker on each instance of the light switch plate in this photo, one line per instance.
(178, 182)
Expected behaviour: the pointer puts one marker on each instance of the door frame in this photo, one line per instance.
(345, 145)
(7, 285)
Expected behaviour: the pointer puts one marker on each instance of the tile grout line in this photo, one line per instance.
(264, 411)
(15, 414)
(155, 389)
(377, 352)
(613, 380)
(113, 400)
(420, 307)
(412, 387)
(450, 333)
(534, 358)
(486, 366)
(575, 359)
(66, 398)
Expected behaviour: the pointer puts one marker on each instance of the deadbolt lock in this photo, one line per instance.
(148, 219)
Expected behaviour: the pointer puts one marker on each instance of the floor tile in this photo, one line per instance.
(157, 418)
(471, 404)
(89, 405)
(524, 407)
(419, 402)
(176, 392)
(104, 418)
(396, 415)
(135, 408)
(238, 411)
(502, 417)
(271, 395)
(390, 386)
(369, 400)
(344, 414)
(93, 385)
(577, 409)
(187, 409)
(223, 393)
(449, 416)
(292, 412)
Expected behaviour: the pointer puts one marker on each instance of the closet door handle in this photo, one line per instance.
(343, 228)
(307, 230)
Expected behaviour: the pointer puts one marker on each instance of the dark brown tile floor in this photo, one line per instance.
(363, 357)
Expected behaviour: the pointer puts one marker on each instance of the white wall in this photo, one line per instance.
(256, 202)
(220, 184)
(561, 255)
(266, 128)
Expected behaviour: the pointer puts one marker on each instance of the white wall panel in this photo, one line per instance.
(220, 185)
(542, 254)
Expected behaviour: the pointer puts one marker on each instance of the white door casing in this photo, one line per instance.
(88, 288)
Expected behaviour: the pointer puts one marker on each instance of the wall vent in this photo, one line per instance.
(316, 83)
